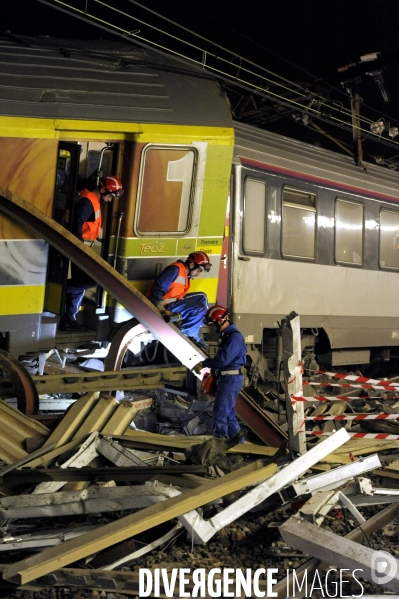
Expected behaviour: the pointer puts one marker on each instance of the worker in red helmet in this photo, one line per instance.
(226, 364)
(86, 225)
(169, 293)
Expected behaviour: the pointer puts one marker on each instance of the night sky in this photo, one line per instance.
(305, 41)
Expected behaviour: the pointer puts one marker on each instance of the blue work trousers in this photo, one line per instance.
(192, 308)
(225, 423)
(75, 291)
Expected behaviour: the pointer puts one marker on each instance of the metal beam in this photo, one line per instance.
(118, 473)
(292, 359)
(93, 500)
(48, 560)
(258, 421)
(50, 455)
(336, 477)
(107, 277)
(33, 567)
(72, 420)
(277, 482)
(129, 379)
(358, 534)
(154, 441)
(338, 551)
(85, 454)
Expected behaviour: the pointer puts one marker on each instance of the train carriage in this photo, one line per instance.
(71, 109)
(307, 230)
(314, 234)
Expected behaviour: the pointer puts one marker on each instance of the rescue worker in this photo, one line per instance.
(86, 225)
(226, 364)
(169, 293)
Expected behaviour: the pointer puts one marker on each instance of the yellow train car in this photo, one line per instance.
(72, 109)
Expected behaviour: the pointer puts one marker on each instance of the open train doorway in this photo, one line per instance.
(80, 166)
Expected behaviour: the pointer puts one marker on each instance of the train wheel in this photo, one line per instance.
(121, 342)
(22, 382)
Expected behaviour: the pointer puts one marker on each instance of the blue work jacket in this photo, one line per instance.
(231, 352)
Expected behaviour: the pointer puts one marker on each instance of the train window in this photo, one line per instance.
(254, 227)
(165, 192)
(389, 239)
(298, 224)
(349, 227)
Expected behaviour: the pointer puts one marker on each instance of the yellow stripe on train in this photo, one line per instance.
(21, 299)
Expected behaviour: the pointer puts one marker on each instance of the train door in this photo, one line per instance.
(64, 198)
(80, 165)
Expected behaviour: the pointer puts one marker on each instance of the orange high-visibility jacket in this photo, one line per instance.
(178, 288)
(91, 230)
(180, 285)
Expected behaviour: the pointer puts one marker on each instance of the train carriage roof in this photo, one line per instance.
(107, 81)
(271, 152)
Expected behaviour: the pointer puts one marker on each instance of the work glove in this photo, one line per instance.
(163, 310)
(197, 368)
(160, 307)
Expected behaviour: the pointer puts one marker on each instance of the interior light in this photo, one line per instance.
(393, 131)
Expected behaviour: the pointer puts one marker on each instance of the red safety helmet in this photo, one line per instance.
(201, 259)
(112, 185)
(216, 313)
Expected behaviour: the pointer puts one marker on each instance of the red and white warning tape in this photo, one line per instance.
(295, 398)
(359, 382)
(384, 436)
(356, 379)
(382, 387)
(355, 417)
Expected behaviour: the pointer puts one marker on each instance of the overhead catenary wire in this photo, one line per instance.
(127, 33)
(132, 35)
(260, 89)
(339, 90)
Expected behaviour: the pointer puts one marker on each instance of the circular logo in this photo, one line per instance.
(383, 567)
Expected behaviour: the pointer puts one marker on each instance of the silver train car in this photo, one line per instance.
(314, 234)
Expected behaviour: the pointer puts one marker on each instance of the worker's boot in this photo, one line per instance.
(238, 438)
(69, 325)
(210, 451)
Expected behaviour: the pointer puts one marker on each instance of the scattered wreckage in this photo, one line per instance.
(75, 497)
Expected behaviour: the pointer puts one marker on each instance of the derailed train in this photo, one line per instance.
(288, 226)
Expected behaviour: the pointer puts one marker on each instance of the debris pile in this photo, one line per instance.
(89, 503)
